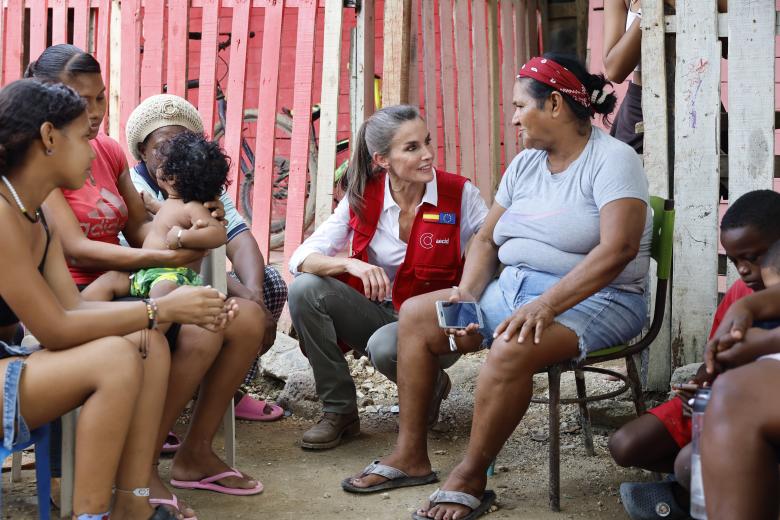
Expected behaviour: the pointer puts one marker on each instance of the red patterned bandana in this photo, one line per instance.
(558, 77)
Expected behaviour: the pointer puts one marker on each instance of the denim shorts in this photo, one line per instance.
(15, 428)
(608, 318)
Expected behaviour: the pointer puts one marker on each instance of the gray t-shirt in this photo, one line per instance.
(552, 220)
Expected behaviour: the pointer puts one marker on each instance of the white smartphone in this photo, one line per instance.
(458, 315)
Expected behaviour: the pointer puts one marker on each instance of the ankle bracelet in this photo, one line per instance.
(138, 492)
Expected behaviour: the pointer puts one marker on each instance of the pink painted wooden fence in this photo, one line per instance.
(164, 43)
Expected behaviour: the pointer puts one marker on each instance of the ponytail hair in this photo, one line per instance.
(59, 60)
(374, 137)
(602, 102)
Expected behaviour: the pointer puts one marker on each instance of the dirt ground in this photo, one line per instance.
(305, 484)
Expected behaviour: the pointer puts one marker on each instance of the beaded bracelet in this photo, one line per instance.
(151, 311)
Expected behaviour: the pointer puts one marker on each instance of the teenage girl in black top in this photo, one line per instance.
(105, 357)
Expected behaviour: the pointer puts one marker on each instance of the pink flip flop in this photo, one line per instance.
(250, 409)
(210, 484)
(172, 443)
(170, 502)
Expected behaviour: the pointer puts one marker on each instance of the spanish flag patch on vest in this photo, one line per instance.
(439, 218)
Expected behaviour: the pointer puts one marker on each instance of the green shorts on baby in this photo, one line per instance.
(143, 280)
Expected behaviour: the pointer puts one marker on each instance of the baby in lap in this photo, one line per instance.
(193, 171)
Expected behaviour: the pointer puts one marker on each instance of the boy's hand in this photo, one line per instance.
(732, 329)
(217, 210)
(755, 344)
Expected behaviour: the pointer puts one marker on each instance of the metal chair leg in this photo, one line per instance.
(587, 432)
(554, 378)
(636, 386)
(229, 425)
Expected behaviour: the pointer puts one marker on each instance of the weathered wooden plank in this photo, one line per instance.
(521, 32)
(495, 98)
(114, 70)
(751, 110)
(207, 76)
(39, 13)
(102, 46)
(697, 112)
(178, 22)
(329, 110)
(152, 62)
(235, 92)
(481, 99)
(465, 96)
(656, 163)
(266, 124)
(581, 8)
(363, 91)
(508, 75)
(413, 97)
(2, 43)
(81, 25)
(532, 21)
(59, 21)
(395, 73)
(14, 44)
(130, 67)
(299, 145)
(429, 71)
(448, 99)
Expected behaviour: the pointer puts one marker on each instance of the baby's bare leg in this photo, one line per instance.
(162, 288)
(109, 285)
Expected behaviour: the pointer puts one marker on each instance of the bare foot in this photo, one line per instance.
(419, 467)
(461, 480)
(191, 466)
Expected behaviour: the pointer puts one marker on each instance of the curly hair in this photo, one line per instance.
(196, 167)
(25, 105)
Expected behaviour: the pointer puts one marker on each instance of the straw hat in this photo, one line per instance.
(156, 112)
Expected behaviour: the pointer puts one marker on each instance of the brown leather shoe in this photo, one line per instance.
(329, 431)
(440, 392)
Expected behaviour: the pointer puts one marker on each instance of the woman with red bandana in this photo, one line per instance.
(571, 226)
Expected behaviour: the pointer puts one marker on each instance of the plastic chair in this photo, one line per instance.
(39, 438)
(661, 252)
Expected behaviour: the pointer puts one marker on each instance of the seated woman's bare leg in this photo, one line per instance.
(740, 443)
(104, 377)
(196, 459)
(504, 389)
(195, 351)
(140, 451)
(421, 342)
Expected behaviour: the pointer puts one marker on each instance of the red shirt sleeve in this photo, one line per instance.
(736, 292)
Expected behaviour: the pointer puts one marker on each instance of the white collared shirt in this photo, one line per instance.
(386, 249)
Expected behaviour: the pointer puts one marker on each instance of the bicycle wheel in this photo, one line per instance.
(280, 183)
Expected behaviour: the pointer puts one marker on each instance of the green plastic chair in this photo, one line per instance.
(661, 252)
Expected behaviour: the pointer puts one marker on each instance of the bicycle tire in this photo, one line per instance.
(284, 123)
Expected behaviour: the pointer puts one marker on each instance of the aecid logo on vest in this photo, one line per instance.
(427, 241)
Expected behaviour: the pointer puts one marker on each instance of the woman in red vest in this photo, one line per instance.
(408, 225)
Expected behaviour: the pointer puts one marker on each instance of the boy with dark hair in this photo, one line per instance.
(660, 440)
(194, 170)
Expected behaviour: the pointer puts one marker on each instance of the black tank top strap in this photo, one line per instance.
(48, 241)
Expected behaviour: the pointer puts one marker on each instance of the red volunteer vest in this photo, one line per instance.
(433, 260)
